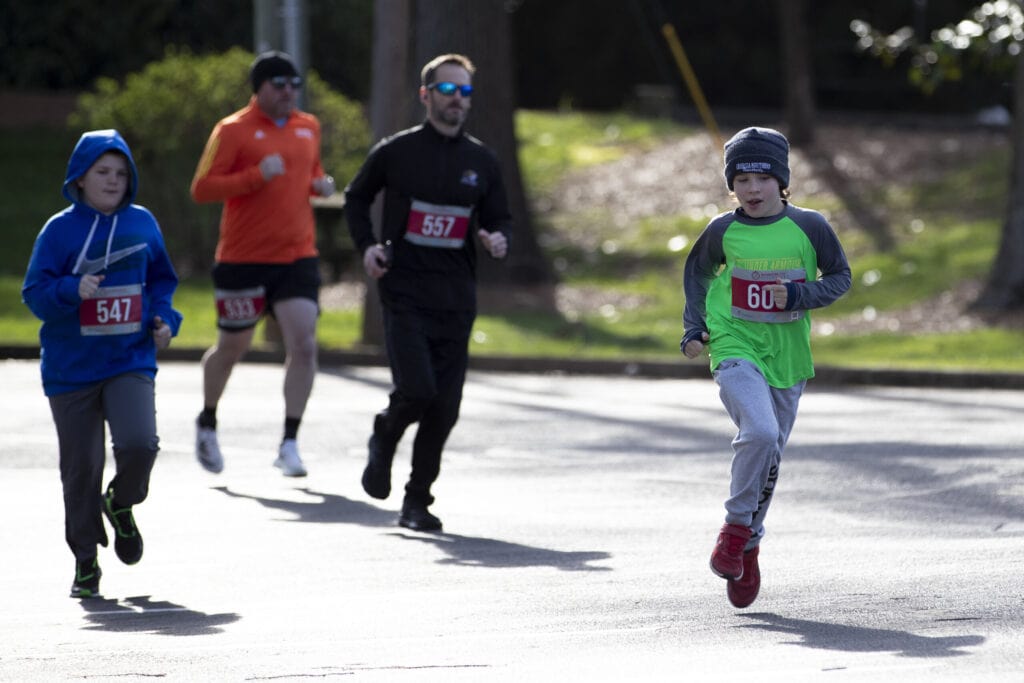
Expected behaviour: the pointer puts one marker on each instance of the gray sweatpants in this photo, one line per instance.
(764, 416)
(127, 403)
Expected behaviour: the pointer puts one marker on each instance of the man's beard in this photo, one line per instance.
(452, 116)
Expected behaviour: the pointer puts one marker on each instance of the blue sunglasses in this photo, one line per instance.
(448, 88)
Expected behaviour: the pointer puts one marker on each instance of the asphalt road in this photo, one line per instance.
(579, 515)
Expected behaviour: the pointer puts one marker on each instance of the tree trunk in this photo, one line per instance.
(480, 29)
(392, 84)
(1004, 290)
(796, 72)
(801, 117)
(406, 35)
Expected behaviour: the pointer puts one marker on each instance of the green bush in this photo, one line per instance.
(166, 113)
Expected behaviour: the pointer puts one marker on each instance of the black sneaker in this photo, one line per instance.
(87, 579)
(377, 475)
(418, 518)
(127, 539)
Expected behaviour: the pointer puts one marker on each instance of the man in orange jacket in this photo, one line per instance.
(263, 162)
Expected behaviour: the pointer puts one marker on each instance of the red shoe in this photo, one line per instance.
(727, 557)
(743, 591)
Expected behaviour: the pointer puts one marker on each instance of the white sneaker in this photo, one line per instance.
(288, 460)
(208, 450)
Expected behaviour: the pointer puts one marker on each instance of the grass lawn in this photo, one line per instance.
(639, 280)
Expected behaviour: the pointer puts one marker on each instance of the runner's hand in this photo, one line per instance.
(271, 166)
(779, 294)
(494, 242)
(694, 347)
(324, 185)
(375, 261)
(161, 333)
(88, 285)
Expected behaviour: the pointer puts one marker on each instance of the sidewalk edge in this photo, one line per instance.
(684, 369)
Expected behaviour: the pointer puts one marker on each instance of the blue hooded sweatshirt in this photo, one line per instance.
(88, 341)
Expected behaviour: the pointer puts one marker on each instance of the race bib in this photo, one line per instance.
(240, 307)
(432, 225)
(751, 301)
(113, 310)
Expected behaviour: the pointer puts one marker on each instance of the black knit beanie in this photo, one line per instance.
(757, 150)
(268, 65)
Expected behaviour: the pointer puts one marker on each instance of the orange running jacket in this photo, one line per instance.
(262, 221)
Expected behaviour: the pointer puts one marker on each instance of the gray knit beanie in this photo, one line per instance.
(757, 150)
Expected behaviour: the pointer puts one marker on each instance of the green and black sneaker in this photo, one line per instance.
(127, 539)
(87, 579)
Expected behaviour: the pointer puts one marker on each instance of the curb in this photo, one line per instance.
(824, 375)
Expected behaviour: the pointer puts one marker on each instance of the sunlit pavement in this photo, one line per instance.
(579, 515)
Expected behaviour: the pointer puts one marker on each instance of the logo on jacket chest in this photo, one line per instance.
(304, 133)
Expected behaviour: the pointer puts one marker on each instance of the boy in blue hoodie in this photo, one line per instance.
(102, 283)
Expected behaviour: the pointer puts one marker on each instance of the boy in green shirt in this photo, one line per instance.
(750, 281)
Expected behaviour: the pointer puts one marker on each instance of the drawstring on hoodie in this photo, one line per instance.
(110, 242)
(88, 241)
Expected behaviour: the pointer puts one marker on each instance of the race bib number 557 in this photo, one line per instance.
(433, 225)
(113, 310)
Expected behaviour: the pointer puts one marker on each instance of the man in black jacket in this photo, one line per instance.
(441, 188)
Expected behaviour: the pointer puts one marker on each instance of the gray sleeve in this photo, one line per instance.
(835, 276)
(702, 265)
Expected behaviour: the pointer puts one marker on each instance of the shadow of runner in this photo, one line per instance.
(821, 635)
(141, 614)
(462, 550)
(329, 509)
(470, 551)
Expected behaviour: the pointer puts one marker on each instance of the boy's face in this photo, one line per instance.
(103, 186)
(758, 194)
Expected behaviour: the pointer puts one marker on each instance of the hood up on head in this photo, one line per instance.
(91, 146)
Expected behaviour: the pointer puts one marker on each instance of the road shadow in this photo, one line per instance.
(820, 635)
(142, 614)
(329, 508)
(465, 551)
(472, 551)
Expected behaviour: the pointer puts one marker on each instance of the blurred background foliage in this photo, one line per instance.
(167, 132)
(587, 54)
(593, 83)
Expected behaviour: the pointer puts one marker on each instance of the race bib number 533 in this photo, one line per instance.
(113, 310)
(240, 308)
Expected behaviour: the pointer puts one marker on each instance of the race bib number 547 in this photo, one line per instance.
(113, 310)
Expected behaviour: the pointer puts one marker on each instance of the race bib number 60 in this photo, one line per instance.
(113, 310)
(751, 301)
(433, 225)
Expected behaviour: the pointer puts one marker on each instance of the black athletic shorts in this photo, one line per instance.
(244, 292)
